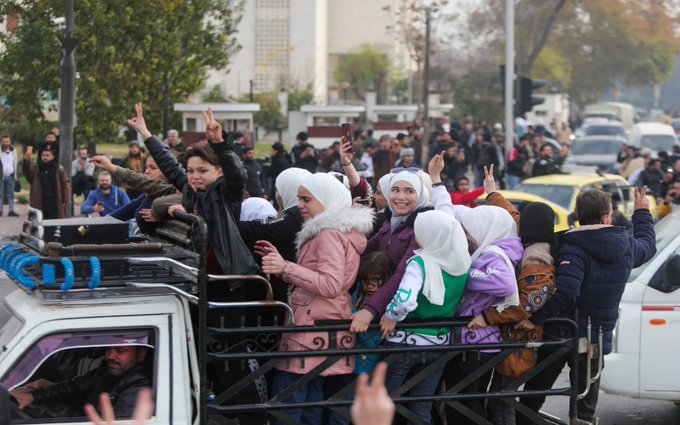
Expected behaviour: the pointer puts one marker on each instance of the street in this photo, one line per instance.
(618, 410)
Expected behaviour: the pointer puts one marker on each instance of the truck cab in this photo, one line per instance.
(43, 331)
(643, 363)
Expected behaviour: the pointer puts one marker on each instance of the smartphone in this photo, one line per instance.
(347, 132)
(29, 150)
(364, 201)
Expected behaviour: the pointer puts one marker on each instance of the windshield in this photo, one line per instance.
(561, 195)
(605, 130)
(666, 230)
(658, 142)
(595, 147)
(38, 353)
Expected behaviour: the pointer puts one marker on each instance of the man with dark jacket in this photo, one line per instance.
(256, 185)
(304, 154)
(546, 164)
(593, 266)
(50, 187)
(121, 376)
(652, 177)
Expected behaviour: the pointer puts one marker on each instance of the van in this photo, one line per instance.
(644, 361)
(653, 135)
(618, 111)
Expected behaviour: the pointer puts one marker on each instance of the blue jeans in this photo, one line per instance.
(313, 391)
(412, 364)
(7, 188)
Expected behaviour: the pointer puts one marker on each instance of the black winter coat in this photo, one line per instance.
(219, 204)
(593, 267)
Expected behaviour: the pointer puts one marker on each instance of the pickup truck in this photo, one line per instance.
(643, 363)
(59, 314)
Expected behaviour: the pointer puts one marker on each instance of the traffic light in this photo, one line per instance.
(526, 101)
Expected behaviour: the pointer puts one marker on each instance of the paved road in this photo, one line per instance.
(618, 410)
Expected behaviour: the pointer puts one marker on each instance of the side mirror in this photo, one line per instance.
(4, 406)
(671, 273)
(667, 277)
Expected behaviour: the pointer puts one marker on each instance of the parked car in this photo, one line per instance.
(562, 189)
(601, 128)
(520, 200)
(596, 152)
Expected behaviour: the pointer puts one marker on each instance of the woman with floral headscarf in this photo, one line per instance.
(406, 198)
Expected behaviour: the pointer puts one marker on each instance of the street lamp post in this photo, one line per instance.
(67, 98)
(425, 139)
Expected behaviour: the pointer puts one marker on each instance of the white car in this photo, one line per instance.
(644, 361)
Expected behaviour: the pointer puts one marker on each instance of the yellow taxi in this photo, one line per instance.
(520, 200)
(562, 189)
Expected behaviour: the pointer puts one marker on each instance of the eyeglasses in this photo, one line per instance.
(414, 170)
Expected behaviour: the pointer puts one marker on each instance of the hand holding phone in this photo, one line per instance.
(347, 132)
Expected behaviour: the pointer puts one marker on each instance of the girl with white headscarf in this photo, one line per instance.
(492, 282)
(329, 248)
(255, 208)
(431, 288)
(406, 197)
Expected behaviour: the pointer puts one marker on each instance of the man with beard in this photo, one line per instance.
(50, 187)
(51, 143)
(106, 198)
(121, 376)
(135, 162)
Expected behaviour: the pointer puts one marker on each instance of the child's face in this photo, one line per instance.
(201, 173)
(371, 284)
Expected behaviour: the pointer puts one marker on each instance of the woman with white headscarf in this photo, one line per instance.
(430, 289)
(329, 245)
(407, 197)
(495, 250)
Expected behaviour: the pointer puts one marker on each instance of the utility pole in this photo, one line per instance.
(509, 74)
(166, 107)
(67, 97)
(425, 138)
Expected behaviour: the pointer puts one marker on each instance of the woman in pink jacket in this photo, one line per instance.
(330, 244)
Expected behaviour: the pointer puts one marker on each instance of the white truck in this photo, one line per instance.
(643, 363)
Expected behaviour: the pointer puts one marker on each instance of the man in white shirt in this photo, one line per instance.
(9, 174)
(82, 173)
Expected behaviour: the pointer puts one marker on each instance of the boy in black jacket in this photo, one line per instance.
(593, 266)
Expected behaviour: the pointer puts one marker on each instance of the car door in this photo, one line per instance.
(660, 329)
(34, 343)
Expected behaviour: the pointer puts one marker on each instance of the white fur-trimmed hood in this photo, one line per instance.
(357, 218)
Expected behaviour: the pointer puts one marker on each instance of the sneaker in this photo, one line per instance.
(13, 214)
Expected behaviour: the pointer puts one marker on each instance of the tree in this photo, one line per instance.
(125, 49)
(269, 116)
(362, 69)
(298, 98)
(602, 42)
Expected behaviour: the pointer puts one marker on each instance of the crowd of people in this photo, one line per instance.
(361, 233)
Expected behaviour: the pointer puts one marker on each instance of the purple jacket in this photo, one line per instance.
(489, 283)
(399, 246)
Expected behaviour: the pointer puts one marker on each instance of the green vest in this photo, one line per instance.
(453, 290)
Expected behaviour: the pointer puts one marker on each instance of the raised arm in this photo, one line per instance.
(166, 161)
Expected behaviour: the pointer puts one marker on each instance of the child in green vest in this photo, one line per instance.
(430, 289)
